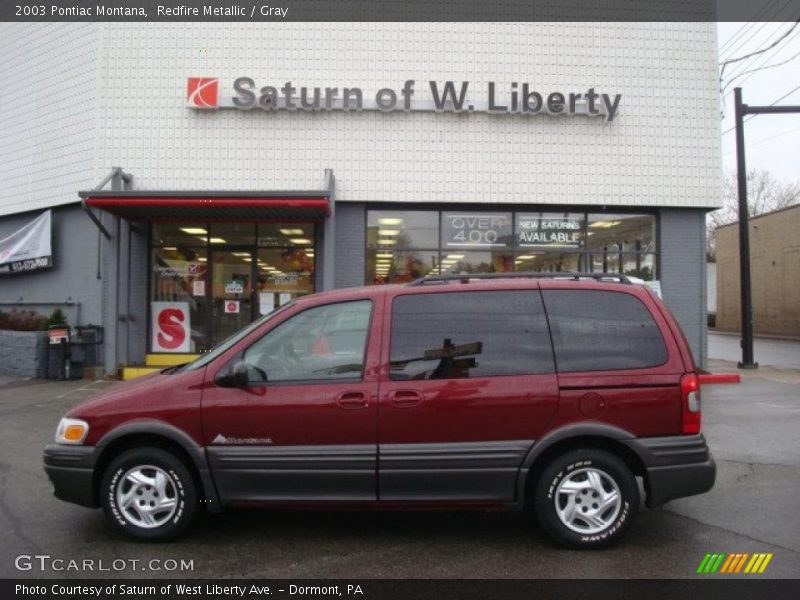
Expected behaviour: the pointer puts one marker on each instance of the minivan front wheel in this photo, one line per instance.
(586, 499)
(148, 494)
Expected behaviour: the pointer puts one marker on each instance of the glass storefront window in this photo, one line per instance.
(477, 261)
(402, 230)
(179, 276)
(547, 230)
(400, 266)
(621, 233)
(179, 235)
(278, 235)
(224, 275)
(548, 261)
(283, 274)
(476, 230)
(231, 233)
(484, 242)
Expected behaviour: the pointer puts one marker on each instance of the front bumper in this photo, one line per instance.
(71, 470)
(676, 466)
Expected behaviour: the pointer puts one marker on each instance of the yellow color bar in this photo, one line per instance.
(764, 564)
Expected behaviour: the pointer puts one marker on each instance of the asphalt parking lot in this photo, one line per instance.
(752, 428)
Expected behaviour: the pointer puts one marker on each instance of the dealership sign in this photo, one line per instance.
(448, 96)
(28, 248)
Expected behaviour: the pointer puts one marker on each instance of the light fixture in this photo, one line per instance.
(240, 253)
(384, 255)
(292, 231)
(389, 242)
(202, 259)
(300, 241)
(390, 221)
(194, 230)
(525, 257)
(247, 259)
(455, 256)
(170, 248)
(605, 224)
(389, 232)
(216, 240)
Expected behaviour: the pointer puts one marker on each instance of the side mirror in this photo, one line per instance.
(241, 375)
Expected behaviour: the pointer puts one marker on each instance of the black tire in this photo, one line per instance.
(179, 491)
(575, 466)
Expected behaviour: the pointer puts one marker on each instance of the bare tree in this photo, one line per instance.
(765, 194)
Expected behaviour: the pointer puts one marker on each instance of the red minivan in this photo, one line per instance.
(544, 393)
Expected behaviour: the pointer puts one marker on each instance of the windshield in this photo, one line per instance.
(202, 360)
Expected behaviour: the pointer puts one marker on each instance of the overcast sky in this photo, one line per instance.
(772, 142)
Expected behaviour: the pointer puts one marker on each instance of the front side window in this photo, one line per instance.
(469, 334)
(599, 331)
(321, 343)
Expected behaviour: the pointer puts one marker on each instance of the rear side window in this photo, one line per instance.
(469, 334)
(600, 331)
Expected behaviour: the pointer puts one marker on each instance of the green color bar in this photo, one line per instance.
(703, 564)
(718, 564)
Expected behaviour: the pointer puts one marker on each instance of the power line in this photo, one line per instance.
(768, 139)
(763, 68)
(772, 39)
(731, 61)
(730, 46)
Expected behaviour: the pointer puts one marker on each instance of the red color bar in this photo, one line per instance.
(710, 378)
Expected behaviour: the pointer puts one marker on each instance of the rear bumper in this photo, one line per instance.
(676, 466)
(71, 471)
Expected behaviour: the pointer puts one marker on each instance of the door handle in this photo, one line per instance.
(352, 400)
(406, 398)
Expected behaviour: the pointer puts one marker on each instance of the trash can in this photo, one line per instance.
(58, 351)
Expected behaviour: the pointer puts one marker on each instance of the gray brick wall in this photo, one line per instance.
(683, 274)
(73, 277)
(23, 353)
(351, 232)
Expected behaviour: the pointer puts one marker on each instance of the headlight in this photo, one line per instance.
(71, 431)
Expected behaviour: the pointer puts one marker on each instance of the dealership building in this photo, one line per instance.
(171, 182)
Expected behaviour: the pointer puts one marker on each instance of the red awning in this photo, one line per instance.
(182, 207)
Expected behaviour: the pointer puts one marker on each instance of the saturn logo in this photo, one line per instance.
(202, 92)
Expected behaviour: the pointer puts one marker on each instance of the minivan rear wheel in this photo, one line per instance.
(148, 494)
(586, 498)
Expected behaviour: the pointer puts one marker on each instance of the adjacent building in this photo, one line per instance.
(774, 273)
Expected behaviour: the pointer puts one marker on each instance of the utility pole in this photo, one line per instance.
(742, 109)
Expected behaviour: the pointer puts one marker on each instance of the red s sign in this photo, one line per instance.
(170, 327)
(172, 334)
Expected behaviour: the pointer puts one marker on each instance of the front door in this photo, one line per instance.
(471, 385)
(231, 290)
(305, 426)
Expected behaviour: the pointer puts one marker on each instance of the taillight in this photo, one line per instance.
(690, 404)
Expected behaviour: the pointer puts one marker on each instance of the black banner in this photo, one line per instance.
(416, 589)
(400, 10)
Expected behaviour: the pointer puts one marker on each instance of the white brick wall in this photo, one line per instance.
(47, 113)
(663, 149)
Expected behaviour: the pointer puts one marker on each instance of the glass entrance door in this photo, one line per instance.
(231, 290)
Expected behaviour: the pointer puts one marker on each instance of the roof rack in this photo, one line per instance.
(572, 275)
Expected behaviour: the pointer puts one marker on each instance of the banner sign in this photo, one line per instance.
(476, 230)
(29, 248)
(171, 329)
